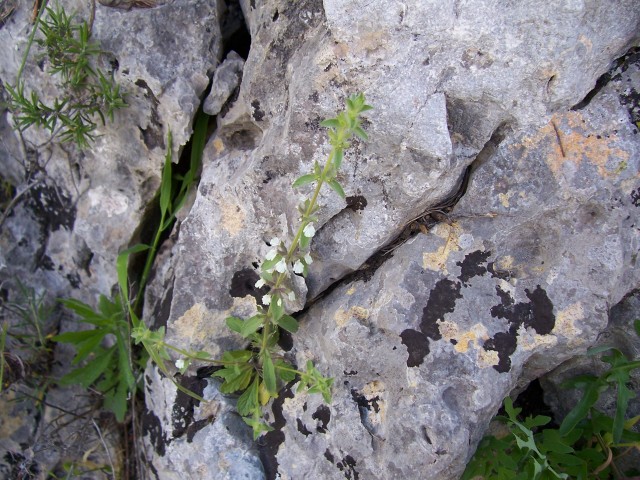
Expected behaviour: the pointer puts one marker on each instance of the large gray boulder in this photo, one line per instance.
(517, 280)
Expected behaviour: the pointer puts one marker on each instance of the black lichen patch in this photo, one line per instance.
(323, 415)
(243, 283)
(442, 300)
(635, 197)
(417, 346)
(268, 448)
(505, 344)
(53, 208)
(542, 319)
(472, 265)
(364, 403)
(350, 372)
(329, 456)
(151, 425)
(258, 114)
(348, 466)
(536, 314)
(302, 428)
(356, 202)
(198, 425)
(183, 408)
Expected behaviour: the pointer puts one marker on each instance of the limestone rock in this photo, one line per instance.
(425, 348)
(225, 80)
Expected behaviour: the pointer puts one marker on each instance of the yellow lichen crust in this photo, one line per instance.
(567, 321)
(342, 316)
(232, 218)
(437, 261)
(193, 324)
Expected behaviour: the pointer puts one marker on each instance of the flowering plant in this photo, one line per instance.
(259, 369)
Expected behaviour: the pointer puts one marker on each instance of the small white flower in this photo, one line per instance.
(292, 296)
(308, 259)
(180, 363)
(281, 266)
(298, 267)
(260, 283)
(309, 231)
(274, 242)
(272, 254)
(266, 299)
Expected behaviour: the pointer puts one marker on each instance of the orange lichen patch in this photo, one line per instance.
(567, 141)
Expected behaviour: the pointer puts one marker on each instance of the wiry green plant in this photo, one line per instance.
(89, 92)
(587, 445)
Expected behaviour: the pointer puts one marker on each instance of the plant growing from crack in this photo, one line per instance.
(88, 91)
(258, 371)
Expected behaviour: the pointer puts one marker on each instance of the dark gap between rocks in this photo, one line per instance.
(617, 67)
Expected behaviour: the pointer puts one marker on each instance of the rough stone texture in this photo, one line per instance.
(78, 209)
(425, 348)
(89, 203)
(225, 80)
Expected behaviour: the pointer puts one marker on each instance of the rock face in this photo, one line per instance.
(425, 320)
(516, 280)
(75, 210)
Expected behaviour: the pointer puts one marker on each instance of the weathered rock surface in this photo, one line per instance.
(77, 209)
(520, 279)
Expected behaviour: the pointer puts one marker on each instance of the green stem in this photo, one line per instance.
(30, 41)
(151, 255)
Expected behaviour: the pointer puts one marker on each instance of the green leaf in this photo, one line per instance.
(78, 337)
(251, 325)
(248, 401)
(581, 410)
(276, 308)
(235, 324)
(361, 134)
(165, 186)
(116, 401)
(237, 356)
(258, 426)
(269, 264)
(330, 123)
(333, 183)
(89, 345)
(289, 323)
(122, 263)
(304, 180)
(338, 155)
(86, 375)
(268, 373)
(285, 371)
(82, 309)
